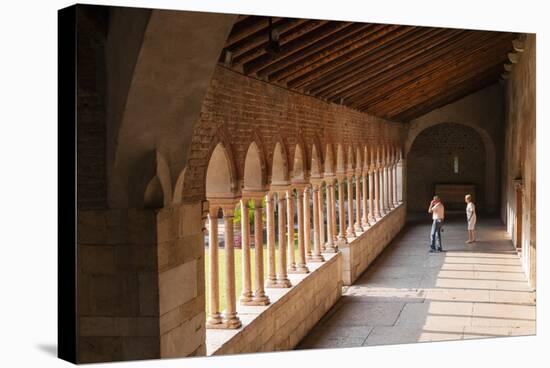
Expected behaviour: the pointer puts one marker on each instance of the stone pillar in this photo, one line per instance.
(394, 173)
(246, 294)
(371, 215)
(358, 204)
(341, 211)
(230, 318)
(384, 171)
(214, 317)
(259, 293)
(377, 202)
(390, 189)
(317, 194)
(350, 231)
(330, 246)
(400, 184)
(290, 229)
(333, 215)
(282, 278)
(270, 217)
(321, 215)
(301, 258)
(365, 202)
(307, 222)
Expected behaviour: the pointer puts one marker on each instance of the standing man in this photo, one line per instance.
(437, 210)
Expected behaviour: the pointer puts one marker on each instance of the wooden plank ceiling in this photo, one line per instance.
(395, 72)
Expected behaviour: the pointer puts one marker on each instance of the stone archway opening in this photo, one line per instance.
(448, 159)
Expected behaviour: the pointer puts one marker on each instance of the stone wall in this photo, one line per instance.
(360, 252)
(519, 155)
(293, 312)
(431, 161)
(482, 111)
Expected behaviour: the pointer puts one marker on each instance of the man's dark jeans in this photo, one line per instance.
(436, 232)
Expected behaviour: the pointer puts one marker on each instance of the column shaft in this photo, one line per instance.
(316, 256)
(371, 217)
(365, 199)
(358, 204)
(259, 293)
(301, 258)
(377, 201)
(350, 231)
(282, 278)
(230, 316)
(214, 316)
(341, 211)
(307, 222)
(290, 229)
(270, 208)
(246, 294)
(321, 215)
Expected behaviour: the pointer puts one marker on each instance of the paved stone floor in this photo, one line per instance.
(409, 295)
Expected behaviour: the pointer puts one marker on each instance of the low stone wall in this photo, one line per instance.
(361, 251)
(291, 315)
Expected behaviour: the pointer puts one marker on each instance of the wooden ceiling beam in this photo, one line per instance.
(289, 36)
(446, 98)
(320, 68)
(442, 62)
(384, 61)
(322, 47)
(327, 54)
(261, 37)
(247, 27)
(424, 90)
(295, 46)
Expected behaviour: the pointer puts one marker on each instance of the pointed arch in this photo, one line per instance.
(358, 160)
(329, 160)
(279, 165)
(254, 170)
(220, 174)
(299, 166)
(340, 159)
(350, 167)
(316, 165)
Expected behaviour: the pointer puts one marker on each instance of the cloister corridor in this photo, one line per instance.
(408, 295)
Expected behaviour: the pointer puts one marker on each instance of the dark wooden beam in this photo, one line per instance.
(247, 27)
(439, 62)
(316, 70)
(322, 46)
(295, 46)
(289, 36)
(450, 96)
(384, 60)
(260, 38)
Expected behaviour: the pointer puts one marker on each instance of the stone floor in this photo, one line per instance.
(409, 295)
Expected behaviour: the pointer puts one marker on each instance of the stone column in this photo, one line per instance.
(316, 256)
(400, 184)
(341, 211)
(301, 258)
(290, 229)
(358, 204)
(259, 293)
(321, 215)
(333, 215)
(270, 214)
(390, 189)
(230, 316)
(384, 196)
(377, 201)
(371, 215)
(365, 203)
(214, 317)
(246, 294)
(350, 231)
(395, 197)
(330, 246)
(307, 222)
(282, 278)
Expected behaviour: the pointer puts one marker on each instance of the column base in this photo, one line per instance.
(350, 233)
(358, 228)
(281, 284)
(245, 298)
(330, 248)
(291, 269)
(271, 283)
(231, 324)
(213, 320)
(316, 259)
(258, 301)
(300, 269)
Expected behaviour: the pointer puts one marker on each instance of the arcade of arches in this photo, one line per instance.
(294, 195)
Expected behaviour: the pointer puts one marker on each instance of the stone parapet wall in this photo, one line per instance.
(361, 251)
(292, 314)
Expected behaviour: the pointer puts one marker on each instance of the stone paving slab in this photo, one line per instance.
(409, 295)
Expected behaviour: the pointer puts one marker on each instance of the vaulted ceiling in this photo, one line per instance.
(391, 71)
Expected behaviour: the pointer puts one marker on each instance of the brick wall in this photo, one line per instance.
(241, 109)
(431, 161)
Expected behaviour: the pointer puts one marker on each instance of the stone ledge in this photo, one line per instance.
(291, 314)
